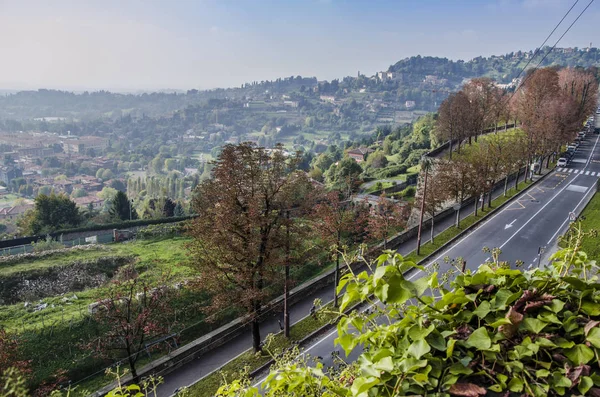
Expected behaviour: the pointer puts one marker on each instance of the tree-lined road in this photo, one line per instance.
(533, 220)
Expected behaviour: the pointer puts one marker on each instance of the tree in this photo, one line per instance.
(107, 193)
(169, 208)
(435, 194)
(386, 217)
(130, 314)
(458, 178)
(79, 193)
(334, 219)
(377, 159)
(238, 236)
(452, 119)
(107, 174)
(345, 175)
(121, 208)
(179, 210)
(99, 173)
(50, 213)
(118, 185)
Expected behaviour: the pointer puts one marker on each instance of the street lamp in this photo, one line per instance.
(456, 208)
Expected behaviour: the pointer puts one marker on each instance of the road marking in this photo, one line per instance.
(549, 201)
(587, 172)
(593, 173)
(571, 171)
(582, 161)
(509, 224)
(577, 188)
(536, 214)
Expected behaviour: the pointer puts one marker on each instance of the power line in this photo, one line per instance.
(547, 38)
(566, 31)
(554, 46)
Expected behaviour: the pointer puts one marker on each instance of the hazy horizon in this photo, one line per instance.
(156, 46)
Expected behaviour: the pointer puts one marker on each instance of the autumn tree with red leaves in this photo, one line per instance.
(131, 314)
(335, 218)
(239, 237)
(385, 217)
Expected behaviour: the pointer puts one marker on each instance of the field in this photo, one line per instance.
(53, 336)
(590, 222)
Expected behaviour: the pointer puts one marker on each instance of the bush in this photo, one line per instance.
(46, 245)
(409, 192)
(391, 171)
(163, 230)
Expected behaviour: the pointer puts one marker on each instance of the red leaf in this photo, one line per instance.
(467, 390)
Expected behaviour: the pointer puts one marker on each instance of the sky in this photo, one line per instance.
(128, 45)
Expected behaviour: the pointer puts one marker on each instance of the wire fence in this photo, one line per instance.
(29, 248)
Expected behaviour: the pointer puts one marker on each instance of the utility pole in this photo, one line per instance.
(426, 166)
(286, 291)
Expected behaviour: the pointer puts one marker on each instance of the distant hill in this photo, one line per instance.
(502, 68)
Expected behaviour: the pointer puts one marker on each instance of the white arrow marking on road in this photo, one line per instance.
(508, 225)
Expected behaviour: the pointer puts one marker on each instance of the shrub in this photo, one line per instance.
(46, 245)
(409, 192)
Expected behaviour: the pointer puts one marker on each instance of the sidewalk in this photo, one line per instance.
(204, 365)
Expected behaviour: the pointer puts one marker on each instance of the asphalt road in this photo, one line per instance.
(534, 220)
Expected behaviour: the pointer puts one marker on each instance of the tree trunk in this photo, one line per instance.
(490, 197)
(256, 329)
(134, 373)
(547, 162)
(432, 233)
(476, 204)
(505, 185)
(517, 179)
(450, 149)
(482, 202)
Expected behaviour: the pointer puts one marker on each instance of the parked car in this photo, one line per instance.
(562, 162)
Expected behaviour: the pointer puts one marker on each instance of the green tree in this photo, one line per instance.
(79, 193)
(50, 213)
(179, 210)
(107, 174)
(121, 208)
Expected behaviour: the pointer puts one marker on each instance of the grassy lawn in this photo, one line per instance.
(374, 188)
(209, 385)
(591, 221)
(453, 231)
(160, 256)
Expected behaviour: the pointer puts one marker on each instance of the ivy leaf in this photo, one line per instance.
(418, 348)
(585, 385)
(515, 385)
(594, 337)
(580, 354)
(483, 309)
(533, 325)
(575, 282)
(450, 348)
(361, 385)
(590, 308)
(480, 339)
(467, 390)
(385, 364)
(561, 381)
(556, 306)
(397, 294)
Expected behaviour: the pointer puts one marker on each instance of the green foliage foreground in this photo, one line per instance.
(496, 330)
